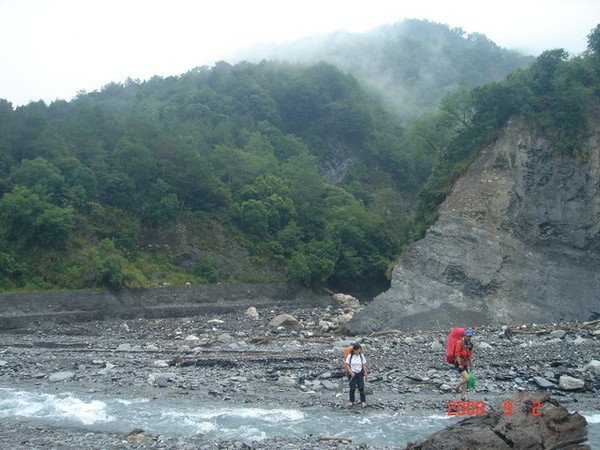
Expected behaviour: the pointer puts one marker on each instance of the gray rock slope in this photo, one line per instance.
(517, 241)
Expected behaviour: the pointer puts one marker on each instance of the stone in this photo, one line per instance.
(252, 313)
(436, 346)
(593, 366)
(484, 346)
(284, 320)
(346, 301)
(225, 338)
(543, 383)
(557, 334)
(579, 340)
(329, 385)
(286, 381)
(124, 348)
(192, 337)
(344, 318)
(568, 383)
(61, 376)
(522, 429)
(160, 379)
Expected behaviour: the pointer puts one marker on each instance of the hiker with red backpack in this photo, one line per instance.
(461, 348)
(355, 367)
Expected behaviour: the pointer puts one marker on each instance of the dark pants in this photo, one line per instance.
(358, 381)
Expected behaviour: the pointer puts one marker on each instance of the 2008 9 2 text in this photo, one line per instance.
(469, 408)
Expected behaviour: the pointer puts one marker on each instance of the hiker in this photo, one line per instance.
(463, 352)
(356, 367)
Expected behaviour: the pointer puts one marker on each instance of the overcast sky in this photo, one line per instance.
(52, 49)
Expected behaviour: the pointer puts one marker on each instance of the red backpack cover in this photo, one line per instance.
(455, 335)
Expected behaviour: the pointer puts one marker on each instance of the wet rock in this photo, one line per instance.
(522, 429)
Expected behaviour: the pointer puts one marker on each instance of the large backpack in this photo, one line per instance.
(453, 337)
(345, 352)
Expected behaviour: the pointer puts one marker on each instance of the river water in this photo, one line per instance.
(224, 421)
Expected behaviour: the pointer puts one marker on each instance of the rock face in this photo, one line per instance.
(554, 427)
(516, 241)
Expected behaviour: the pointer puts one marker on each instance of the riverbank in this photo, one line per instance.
(246, 360)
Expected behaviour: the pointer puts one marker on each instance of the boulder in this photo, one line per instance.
(160, 379)
(543, 383)
(346, 301)
(568, 383)
(557, 334)
(284, 320)
(552, 428)
(593, 366)
(286, 381)
(61, 376)
(252, 313)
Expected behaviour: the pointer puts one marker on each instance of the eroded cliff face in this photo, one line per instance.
(517, 241)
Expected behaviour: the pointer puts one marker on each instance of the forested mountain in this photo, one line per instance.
(232, 151)
(412, 63)
(250, 172)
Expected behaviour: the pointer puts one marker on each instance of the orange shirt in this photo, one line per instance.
(462, 352)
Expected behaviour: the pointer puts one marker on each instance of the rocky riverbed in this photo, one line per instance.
(276, 358)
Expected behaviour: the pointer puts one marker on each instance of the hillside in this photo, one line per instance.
(224, 174)
(413, 63)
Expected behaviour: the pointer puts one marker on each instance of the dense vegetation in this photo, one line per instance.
(413, 63)
(239, 146)
(242, 150)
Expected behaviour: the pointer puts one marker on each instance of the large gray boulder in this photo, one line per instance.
(552, 428)
(517, 240)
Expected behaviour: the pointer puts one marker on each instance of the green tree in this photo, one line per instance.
(313, 264)
(593, 40)
(27, 219)
(40, 176)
